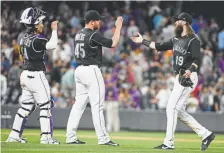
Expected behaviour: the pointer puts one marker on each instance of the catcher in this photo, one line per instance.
(186, 49)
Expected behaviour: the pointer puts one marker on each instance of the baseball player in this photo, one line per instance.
(186, 48)
(35, 87)
(89, 80)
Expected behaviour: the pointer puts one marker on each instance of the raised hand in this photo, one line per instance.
(119, 22)
(54, 25)
(137, 39)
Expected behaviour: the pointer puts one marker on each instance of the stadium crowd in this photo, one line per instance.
(135, 76)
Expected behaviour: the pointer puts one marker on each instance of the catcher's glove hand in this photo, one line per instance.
(186, 82)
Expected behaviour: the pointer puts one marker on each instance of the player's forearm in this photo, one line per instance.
(149, 44)
(116, 37)
(194, 65)
(52, 43)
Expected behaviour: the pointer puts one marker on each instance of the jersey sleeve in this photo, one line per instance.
(194, 48)
(163, 46)
(39, 44)
(97, 38)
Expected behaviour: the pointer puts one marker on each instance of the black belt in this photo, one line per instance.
(89, 65)
(33, 70)
(178, 72)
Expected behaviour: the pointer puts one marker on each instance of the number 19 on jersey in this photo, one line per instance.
(179, 60)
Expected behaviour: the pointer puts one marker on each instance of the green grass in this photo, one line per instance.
(130, 142)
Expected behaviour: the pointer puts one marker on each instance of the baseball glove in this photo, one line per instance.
(186, 82)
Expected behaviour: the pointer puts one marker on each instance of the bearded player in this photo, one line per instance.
(186, 49)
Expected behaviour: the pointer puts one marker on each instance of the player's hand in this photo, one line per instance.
(137, 39)
(119, 22)
(54, 25)
(187, 74)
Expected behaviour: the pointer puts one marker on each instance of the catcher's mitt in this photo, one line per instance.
(186, 82)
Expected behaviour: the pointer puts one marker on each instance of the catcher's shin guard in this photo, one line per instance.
(45, 118)
(21, 118)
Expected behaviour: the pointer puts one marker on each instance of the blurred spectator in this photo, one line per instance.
(221, 40)
(222, 103)
(144, 89)
(112, 108)
(57, 96)
(192, 104)
(201, 22)
(207, 64)
(3, 86)
(75, 20)
(56, 72)
(206, 99)
(14, 89)
(16, 52)
(65, 52)
(214, 27)
(167, 31)
(204, 35)
(136, 96)
(153, 8)
(162, 97)
(5, 64)
(158, 20)
(125, 98)
(221, 63)
(68, 84)
(138, 71)
(7, 51)
(217, 101)
(132, 29)
(170, 80)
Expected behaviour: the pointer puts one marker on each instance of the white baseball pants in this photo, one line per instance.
(35, 90)
(89, 87)
(176, 108)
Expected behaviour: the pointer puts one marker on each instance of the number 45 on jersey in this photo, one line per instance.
(79, 50)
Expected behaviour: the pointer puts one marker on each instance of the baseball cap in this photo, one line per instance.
(184, 16)
(93, 15)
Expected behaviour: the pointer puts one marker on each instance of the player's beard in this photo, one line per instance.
(96, 27)
(178, 30)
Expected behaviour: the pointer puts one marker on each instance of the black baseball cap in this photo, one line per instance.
(93, 15)
(184, 16)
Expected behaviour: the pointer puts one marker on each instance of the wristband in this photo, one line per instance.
(146, 42)
(193, 68)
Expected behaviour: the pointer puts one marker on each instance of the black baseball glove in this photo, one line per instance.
(186, 82)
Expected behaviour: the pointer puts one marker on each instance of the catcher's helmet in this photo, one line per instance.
(32, 16)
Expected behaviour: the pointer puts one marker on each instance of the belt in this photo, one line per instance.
(176, 72)
(89, 65)
(34, 70)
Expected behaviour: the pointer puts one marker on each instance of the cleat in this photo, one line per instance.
(164, 147)
(19, 140)
(110, 143)
(206, 142)
(77, 141)
(49, 141)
